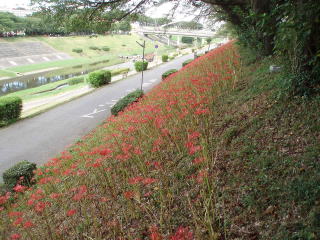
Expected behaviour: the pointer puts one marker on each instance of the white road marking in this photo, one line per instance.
(130, 90)
(153, 80)
(95, 111)
(101, 105)
(146, 84)
(58, 56)
(30, 60)
(114, 100)
(13, 63)
(45, 58)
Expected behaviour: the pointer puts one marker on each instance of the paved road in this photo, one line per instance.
(42, 137)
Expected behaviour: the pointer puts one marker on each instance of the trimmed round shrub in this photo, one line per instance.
(125, 101)
(99, 78)
(22, 169)
(169, 72)
(165, 58)
(10, 108)
(140, 66)
(75, 80)
(94, 48)
(105, 48)
(77, 50)
(187, 62)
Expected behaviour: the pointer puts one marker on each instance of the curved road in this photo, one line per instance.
(44, 136)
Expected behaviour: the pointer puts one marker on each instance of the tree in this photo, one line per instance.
(270, 26)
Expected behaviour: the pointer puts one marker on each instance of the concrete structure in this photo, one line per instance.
(167, 33)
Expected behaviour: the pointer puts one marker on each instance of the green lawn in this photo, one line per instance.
(6, 73)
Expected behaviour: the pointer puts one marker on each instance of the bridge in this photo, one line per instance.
(168, 32)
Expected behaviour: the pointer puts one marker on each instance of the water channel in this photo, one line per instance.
(34, 80)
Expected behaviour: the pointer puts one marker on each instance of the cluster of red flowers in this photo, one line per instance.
(125, 171)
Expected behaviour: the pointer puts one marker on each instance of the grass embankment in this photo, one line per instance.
(120, 45)
(202, 156)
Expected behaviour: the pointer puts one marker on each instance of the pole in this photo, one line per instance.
(143, 47)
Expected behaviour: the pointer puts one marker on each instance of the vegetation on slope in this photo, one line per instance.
(205, 155)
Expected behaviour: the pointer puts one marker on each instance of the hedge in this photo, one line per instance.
(125, 101)
(140, 66)
(169, 72)
(94, 48)
(22, 169)
(105, 48)
(187, 62)
(99, 78)
(10, 108)
(165, 58)
(77, 50)
(75, 80)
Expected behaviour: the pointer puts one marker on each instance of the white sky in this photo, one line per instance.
(14, 3)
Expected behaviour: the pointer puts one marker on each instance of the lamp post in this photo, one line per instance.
(143, 47)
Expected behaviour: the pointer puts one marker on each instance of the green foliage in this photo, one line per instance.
(94, 48)
(75, 80)
(187, 62)
(141, 66)
(125, 101)
(188, 40)
(77, 50)
(119, 71)
(169, 72)
(105, 48)
(10, 109)
(22, 169)
(165, 58)
(99, 78)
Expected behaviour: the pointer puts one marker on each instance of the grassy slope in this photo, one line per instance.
(123, 45)
(258, 177)
(267, 170)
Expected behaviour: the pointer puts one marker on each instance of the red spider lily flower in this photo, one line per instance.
(40, 206)
(4, 199)
(1, 209)
(198, 160)
(193, 135)
(71, 212)
(104, 199)
(55, 195)
(18, 221)
(154, 233)
(19, 188)
(135, 180)
(15, 236)
(182, 233)
(15, 214)
(128, 194)
(148, 181)
(28, 224)
(200, 111)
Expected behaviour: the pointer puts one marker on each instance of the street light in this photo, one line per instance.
(143, 47)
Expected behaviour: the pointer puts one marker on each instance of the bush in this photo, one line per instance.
(165, 58)
(140, 66)
(75, 80)
(171, 58)
(105, 48)
(125, 101)
(119, 71)
(77, 50)
(169, 72)
(99, 78)
(10, 108)
(187, 62)
(22, 169)
(94, 48)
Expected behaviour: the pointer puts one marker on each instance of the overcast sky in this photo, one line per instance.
(14, 3)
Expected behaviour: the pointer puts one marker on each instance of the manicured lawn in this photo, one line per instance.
(6, 73)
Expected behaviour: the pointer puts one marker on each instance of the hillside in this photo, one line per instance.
(216, 151)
